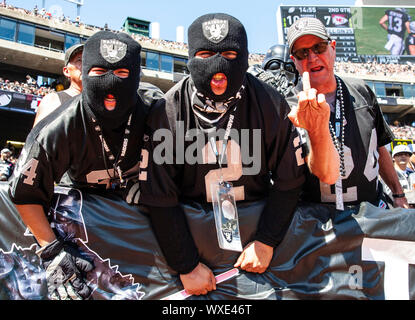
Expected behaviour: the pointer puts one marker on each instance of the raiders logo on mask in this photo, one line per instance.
(215, 30)
(113, 50)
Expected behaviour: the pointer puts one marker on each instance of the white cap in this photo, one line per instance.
(402, 148)
(5, 150)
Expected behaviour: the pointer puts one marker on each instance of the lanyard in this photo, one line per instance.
(212, 140)
(109, 154)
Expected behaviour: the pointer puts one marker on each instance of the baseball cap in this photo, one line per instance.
(5, 150)
(306, 26)
(71, 51)
(401, 149)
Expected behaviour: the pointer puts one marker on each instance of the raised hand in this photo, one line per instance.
(312, 111)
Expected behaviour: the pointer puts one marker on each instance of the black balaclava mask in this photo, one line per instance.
(111, 51)
(217, 32)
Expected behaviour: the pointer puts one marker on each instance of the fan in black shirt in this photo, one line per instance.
(264, 154)
(95, 139)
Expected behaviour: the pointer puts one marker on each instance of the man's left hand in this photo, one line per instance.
(256, 257)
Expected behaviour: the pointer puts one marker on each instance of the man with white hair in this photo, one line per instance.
(356, 123)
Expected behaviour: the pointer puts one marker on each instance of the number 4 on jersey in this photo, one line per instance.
(29, 171)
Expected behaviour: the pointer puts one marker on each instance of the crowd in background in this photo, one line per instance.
(371, 68)
(28, 87)
(406, 71)
(403, 132)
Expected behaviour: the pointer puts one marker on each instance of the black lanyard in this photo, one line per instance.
(219, 156)
(121, 155)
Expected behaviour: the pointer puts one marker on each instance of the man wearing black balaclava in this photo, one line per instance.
(95, 139)
(220, 95)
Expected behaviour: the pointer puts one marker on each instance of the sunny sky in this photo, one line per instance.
(258, 16)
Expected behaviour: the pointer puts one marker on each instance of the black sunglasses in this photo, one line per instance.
(318, 48)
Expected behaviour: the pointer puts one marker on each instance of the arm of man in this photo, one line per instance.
(313, 114)
(49, 103)
(388, 174)
(382, 22)
(34, 218)
(175, 240)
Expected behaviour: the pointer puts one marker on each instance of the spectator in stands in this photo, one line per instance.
(6, 166)
(73, 71)
(401, 155)
(356, 123)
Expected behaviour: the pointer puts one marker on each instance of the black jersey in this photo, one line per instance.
(396, 22)
(268, 147)
(66, 141)
(365, 131)
(409, 41)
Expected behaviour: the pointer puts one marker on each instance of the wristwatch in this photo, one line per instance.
(399, 195)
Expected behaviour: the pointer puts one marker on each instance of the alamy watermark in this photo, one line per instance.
(194, 146)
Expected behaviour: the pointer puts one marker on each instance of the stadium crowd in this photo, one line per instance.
(395, 71)
(403, 132)
(158, 43)
(28, 87)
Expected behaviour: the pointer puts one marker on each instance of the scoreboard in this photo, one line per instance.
(337, 20)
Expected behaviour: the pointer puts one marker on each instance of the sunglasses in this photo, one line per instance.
(318, 48)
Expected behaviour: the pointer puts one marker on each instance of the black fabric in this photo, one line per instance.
(200, 38)
(261, 108)
(277, 216)
(172, 233)
(111, 51)
(66, 141)
(365, 131)
(277, 152)
(396, 22)
(317, 258)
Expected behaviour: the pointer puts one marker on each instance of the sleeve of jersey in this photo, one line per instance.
(33, 178)
(383, 131)
(158, 180)
(286, 156)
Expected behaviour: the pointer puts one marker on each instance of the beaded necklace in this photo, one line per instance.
(340, 121)
(336, 133)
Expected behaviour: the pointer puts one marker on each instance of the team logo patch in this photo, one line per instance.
(215, 30)
(113, 50)
(301, 25)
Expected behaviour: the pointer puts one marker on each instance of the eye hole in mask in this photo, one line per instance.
(120, 73)
(204, 54)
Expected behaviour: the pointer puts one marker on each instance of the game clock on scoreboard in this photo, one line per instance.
(337, 20)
